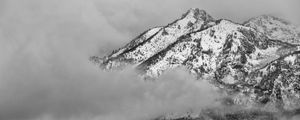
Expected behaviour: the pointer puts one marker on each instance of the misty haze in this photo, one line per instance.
(149, 60)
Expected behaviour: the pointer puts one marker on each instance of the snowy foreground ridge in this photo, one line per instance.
(256, 62)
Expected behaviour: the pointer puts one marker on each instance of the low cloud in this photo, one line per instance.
(45, 73)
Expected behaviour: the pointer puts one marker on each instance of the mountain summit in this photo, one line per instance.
(155, 40)
(256, 62)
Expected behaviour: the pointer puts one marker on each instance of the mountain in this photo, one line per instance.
(155, 40)
(256, 63)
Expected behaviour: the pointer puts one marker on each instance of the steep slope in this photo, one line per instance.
(204, 51)
(114, 59)
(276, 83)
(155, 40)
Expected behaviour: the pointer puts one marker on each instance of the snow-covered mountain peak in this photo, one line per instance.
(256, 62)
(196, 13)
(155, 40)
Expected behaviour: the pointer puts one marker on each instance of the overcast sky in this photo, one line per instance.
(45, 44)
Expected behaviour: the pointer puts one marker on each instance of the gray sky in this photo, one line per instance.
(45, 44)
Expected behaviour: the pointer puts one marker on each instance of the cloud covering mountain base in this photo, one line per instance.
(45, 73)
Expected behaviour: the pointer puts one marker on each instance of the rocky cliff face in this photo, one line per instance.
(256, 63)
